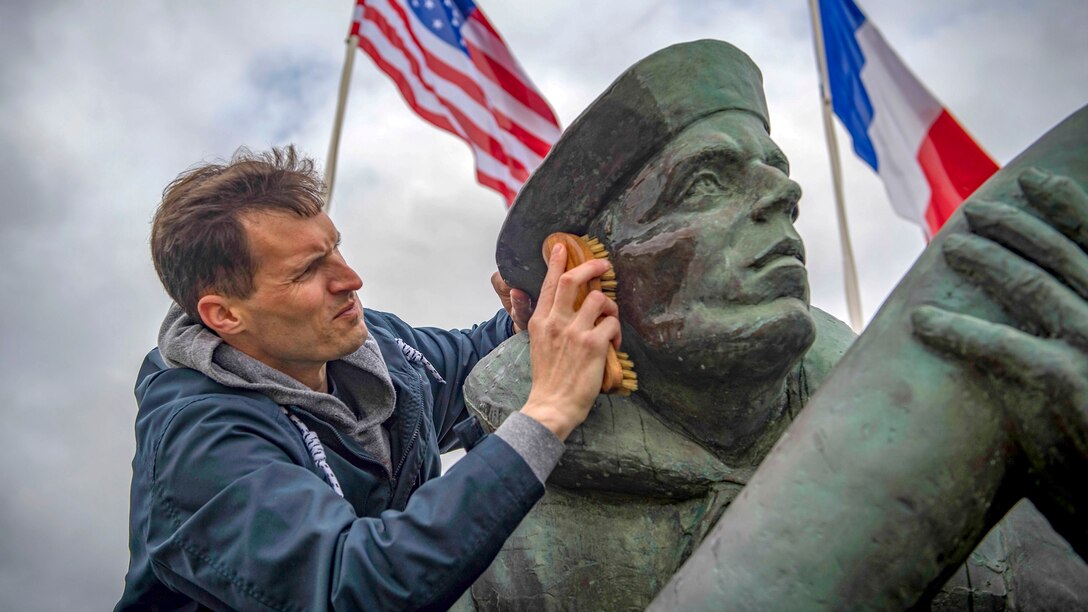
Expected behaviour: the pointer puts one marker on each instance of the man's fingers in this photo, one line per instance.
(608, 329)
(502, 290)
(1060, 200)
(557, 264)
(574, 279)
(1025, 358)
(1025, 290)
(593, 308)
(1040, 243)
(521, 309)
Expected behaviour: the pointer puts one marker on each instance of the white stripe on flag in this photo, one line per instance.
(449, 93)
(506, 134)
(903, 111)
(428, 101)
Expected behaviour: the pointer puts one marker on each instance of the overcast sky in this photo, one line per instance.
(103, 103)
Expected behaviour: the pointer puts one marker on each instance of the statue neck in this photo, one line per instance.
(737, 419)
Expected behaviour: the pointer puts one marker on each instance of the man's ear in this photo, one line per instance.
(221, 315)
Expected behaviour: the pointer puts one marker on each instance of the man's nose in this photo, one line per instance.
(343, 277)
(781, 200)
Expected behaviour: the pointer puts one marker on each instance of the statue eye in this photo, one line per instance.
(704, 183)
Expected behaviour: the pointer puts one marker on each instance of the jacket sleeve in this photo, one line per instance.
(238, 522)
(453, 353)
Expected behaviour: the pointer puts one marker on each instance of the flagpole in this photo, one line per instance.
(850, 273)
(338, 121)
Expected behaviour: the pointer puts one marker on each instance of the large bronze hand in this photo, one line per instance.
(1033, 262)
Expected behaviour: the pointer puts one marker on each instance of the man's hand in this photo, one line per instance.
(515, 301)
(567, 348)
(1034, 264)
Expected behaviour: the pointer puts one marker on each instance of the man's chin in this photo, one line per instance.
(353, 340)
(755, 339)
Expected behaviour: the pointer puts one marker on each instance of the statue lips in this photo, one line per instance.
(780, 270)
(787, 247)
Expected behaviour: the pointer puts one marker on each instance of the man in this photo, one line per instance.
(288, 442)
(674, 170)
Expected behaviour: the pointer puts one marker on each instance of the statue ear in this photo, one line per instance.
(222, 315)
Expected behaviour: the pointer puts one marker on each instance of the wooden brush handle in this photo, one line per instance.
(578, 252)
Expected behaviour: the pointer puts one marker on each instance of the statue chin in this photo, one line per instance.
(721, 377)
(732, 345)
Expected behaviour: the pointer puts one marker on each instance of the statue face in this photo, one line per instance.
(711, 269)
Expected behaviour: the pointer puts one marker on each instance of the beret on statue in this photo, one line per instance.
(595, 158)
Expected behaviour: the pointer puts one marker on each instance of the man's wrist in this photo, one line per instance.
(549, 416)
(534, 442)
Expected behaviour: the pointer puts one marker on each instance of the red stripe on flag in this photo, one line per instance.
(508, 80)
(485, 100)
(405, 89)
(526, 137)
(507, 193)
(475, 134)
(479, 17)
(356, 17)
(439, 67)
(954, 166)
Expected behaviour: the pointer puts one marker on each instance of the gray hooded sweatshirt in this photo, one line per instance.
(362, 379)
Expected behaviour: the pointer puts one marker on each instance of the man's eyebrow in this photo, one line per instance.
(777, 158)
(308, 260)
(714, 154)
(680, 174)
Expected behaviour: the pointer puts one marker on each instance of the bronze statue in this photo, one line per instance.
(674, 170)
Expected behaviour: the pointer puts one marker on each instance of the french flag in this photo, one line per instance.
(928, 162)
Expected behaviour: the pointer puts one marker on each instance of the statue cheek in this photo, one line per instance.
(653, 276)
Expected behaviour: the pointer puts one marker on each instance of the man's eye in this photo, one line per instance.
(307, 273)
(703, 184)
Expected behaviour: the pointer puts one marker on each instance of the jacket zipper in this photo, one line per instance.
(411, 441)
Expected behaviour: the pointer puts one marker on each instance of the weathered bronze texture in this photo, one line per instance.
(902, 460)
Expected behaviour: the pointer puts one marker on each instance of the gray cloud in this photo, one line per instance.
(102, 104)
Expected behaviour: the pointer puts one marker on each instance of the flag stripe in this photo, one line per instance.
(476, 122)
(433, 52)
(507, 80)
(484, 161)
(903, 112)
(537, 145)
(482, 36)
(954, 166)
(928, 163)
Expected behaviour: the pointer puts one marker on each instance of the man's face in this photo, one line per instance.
(304, 311)
(711, 268)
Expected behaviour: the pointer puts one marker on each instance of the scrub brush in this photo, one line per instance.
(619, 370)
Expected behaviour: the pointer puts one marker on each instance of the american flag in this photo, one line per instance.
(455, 71)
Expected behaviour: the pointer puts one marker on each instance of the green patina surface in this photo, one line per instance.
(876, 493)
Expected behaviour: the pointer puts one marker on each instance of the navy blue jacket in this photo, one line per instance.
(229, 510)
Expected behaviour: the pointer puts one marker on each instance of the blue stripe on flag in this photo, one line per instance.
(840, 19)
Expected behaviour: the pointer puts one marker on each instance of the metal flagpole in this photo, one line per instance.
(850, 273)
(338, 122)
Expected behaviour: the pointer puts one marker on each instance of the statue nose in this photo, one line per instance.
(782, 200)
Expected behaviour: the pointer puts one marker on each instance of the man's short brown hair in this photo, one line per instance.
(198, 242)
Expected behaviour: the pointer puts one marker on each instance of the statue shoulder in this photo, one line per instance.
(622, 447)
(833, 338)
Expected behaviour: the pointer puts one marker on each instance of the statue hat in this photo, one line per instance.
(595, 158)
